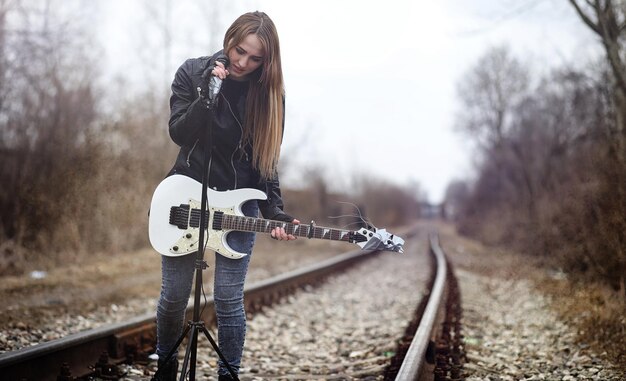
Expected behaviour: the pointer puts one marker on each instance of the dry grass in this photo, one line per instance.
(89, 282)
(597, 312)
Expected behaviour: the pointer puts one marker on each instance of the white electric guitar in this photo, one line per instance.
(174, 222)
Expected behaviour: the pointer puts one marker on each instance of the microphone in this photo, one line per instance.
(215, 82)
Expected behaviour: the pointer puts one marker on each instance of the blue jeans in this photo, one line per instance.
(230, 274)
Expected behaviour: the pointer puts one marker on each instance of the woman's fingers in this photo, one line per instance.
(219, 70)
(281, 235)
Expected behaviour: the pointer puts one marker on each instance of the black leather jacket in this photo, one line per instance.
(230, 164)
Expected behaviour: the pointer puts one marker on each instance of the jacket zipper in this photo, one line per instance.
(190, 151)
(232, 164)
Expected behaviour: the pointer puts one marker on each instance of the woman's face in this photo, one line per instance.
(245, 57)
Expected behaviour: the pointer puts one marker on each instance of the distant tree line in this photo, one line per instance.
(552, 170)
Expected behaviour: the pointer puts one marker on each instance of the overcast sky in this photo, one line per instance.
(371, 86)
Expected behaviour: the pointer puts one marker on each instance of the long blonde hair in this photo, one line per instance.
(265, 110)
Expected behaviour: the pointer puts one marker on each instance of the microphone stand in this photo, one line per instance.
(197, 324)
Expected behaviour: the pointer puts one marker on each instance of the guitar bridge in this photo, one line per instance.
(179, 216)
(183, 216)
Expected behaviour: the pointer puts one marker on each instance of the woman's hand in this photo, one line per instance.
(219, 70)
(281, 235)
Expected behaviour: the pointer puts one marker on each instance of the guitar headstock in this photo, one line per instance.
(371, 238)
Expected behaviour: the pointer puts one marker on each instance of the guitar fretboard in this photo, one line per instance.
(260, 225)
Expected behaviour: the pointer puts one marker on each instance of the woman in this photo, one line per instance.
(247, 130)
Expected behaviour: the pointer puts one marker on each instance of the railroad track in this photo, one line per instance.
(431, 346)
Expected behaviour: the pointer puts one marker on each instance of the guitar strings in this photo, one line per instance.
(359, 216)
(228, 221)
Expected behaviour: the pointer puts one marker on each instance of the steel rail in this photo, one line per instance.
(80, 351)
(413, 365)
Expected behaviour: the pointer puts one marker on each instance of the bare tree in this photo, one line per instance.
(45, 123)
(492, 94)
(488, 93)
(607, 19)
(550, 179)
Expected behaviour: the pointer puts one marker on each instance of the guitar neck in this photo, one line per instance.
(260, 225)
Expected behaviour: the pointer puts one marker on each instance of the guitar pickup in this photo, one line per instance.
(179, 216)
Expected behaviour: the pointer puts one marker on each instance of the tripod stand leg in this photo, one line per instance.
(190, 354)
(219, 353)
